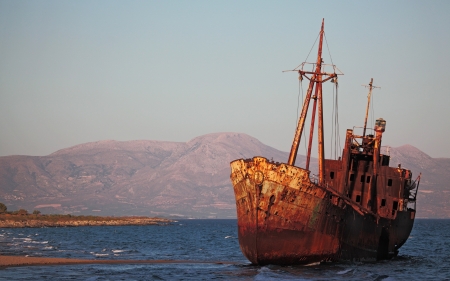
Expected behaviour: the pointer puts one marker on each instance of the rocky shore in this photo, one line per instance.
(20, 222)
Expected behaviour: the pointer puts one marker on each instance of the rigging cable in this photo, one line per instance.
(332, 126)
(335, 122)
(329, 54)
(372, 111)
(309, 52)
(312, 46)
(335, 136)
(304, 136)
(338, 136)
(301, 89)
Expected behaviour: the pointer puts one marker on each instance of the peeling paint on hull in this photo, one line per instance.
(284, 218)
(356, 208)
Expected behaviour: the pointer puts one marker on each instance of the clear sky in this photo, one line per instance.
(80, 71)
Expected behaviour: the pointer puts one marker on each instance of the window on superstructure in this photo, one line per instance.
(394, 205)
(354, 165)
(383, 202)
(362, 178)
(366, 167)
(389, 182)
(358, 198)
(352, 177)
(331, 175)
(368, 179)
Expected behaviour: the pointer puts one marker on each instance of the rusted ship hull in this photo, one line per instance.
(285, 218)
(357, 207)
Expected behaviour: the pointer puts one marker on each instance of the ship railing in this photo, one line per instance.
(358, 131)
(359, 141)
(384, 150)
(314, 178)
(413, 189)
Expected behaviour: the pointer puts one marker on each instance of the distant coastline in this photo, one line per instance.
(31, 220)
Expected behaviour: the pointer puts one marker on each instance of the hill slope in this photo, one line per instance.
(168, 178)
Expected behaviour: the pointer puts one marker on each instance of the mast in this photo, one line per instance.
(301, 121)
(316, 81)
(311, 131)
(320, 131)
(368, 104)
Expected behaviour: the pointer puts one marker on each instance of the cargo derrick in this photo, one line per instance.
(357, 208)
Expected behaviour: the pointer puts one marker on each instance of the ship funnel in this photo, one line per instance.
(380, 125)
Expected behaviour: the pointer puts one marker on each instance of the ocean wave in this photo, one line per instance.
(344, 271)
(24, 239)
(117, 251)
(39, 242)
(98, 255)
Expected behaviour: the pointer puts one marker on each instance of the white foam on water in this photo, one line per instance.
(39, 242)
(98, 255)
(266, 273)
(344, 271)
(118, 251)
(313, 263)
(25, 239)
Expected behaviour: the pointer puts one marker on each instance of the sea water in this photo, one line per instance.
(425, 256)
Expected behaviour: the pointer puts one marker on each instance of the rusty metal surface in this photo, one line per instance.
(357, 207)
(284, 218)
(311, 132)
(275, 209)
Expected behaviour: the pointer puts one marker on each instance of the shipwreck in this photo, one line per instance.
(357, 207)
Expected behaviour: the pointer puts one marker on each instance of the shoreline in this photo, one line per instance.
(32, 221)
(14, 261)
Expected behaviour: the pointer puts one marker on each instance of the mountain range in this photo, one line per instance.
(170, 179)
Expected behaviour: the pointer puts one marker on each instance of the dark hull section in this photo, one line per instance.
(284, 218)
(284, 246)
(365, 238)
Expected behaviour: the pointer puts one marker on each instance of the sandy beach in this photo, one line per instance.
(6, 261)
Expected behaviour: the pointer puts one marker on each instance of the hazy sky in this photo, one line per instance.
(80, 71)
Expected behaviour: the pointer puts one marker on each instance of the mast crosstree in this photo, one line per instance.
(316, 79)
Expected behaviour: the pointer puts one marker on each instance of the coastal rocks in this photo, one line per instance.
(121, 221)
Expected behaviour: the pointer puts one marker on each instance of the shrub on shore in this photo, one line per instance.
(3, 208)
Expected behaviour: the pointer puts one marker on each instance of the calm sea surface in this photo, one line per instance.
(425, 256)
